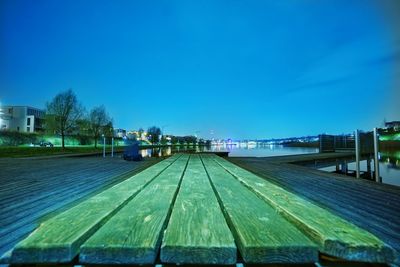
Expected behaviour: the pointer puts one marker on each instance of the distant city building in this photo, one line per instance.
(21, 119)
(136, 135)
(393, 124)
(120, 133)
(131, 135)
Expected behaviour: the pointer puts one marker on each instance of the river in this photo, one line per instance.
(389, 160)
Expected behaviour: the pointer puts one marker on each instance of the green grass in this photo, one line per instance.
(390, 137)
(26, 151)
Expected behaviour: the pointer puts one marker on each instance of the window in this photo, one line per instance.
(28, 121)
(18, 129)
(28, 129)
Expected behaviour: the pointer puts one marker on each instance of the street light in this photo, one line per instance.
(104, 145)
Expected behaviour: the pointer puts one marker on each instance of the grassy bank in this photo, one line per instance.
(21, 152)
(27, 151)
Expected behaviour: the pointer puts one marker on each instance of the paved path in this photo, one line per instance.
(32, 190)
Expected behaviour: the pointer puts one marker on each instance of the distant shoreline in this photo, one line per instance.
(9, 152)
(303, 144)
(383, 145)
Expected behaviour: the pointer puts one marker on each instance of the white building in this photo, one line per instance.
(21, 119)
(119, 132)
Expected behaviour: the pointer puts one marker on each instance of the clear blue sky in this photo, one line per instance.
(244, 69)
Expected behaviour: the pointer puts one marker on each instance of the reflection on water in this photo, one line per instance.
(390, 158)
(265, 151)
(389, 164)
(168, 151)
(234, 151)
(389, 167)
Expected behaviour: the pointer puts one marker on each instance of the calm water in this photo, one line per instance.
(264, 151)
(389, 167)
(235, 151)
(389, 161)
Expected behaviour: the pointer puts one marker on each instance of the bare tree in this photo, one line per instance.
(65, 110)
(99, 121)
(154, 132)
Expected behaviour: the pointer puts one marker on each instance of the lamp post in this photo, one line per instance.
(358, 156)
(376, 155)
(112, 147)
(104, 145)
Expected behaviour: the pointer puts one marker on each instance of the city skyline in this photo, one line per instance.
(241, 70)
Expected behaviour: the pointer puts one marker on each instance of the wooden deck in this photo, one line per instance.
(32, 190)
(369, 205)
(191, 209)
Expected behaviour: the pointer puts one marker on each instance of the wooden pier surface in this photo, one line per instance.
(203, 209)
(369, 205)
(33, 189)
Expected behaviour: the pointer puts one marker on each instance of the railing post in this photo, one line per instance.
(104, 146)
(320, 143)
(376, 155)
(369, 167)
(357, 146)
(344, 168)
(112, 147)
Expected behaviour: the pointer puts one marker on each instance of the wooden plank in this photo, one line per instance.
(12, 220)
(369, 205)
(11, 234)
(95, 180)
(197, 232)
(262, 235)
(371, 202)
(335, 235)
(133, 235)
(357, 202)
(59, 238)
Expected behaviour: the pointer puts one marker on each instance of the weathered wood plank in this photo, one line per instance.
(369, 209)
(11, 234)
(339, 194)
(375, 190)
(345, 197)
(59, 238)
(17, 229)
(335, 235)
(262, 235)
(133, 235)
(56, 170)
(47, 203)
(197, 232)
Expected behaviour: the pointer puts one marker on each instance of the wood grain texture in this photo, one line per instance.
(59, 238)
(371, 206)
(335, 235)
(197, 232)
(34, 188)
(133, 235)
(262, 235)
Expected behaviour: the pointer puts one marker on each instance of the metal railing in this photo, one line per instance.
(360, 142)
